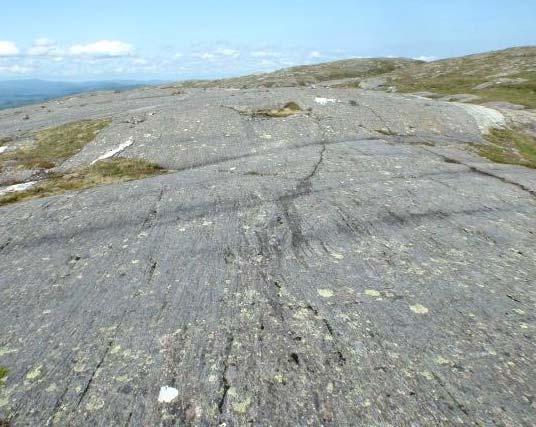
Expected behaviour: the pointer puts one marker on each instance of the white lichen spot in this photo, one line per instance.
(95, 404)
(280, 378)
(418, 308)
(7, 350)
(34, 373)
(239, 406)
(372, 293)
(518, 311)
(167, 394)
(135, 261)
(79, 367)
(115, 349)
(325, 293)
(440, 360)
(324, 101)
(427, 375)
(52, 388)
(302, 314)
(336, 255)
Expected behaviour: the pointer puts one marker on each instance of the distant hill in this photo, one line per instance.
(507, 75)
(501, 76)
(311, 74)
(14, 93)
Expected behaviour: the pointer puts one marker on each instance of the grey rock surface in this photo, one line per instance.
(460, 97)
(373, 83)
(352, 265)
(504, 106)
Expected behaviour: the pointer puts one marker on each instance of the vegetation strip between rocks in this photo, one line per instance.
(103, 172)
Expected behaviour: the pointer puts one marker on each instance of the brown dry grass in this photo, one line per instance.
(510, 146)
(103, 172)
(55, 145)
(289, 109)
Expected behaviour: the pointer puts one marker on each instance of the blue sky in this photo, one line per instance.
(173, 40)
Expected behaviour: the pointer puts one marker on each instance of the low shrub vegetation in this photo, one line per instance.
(289, 109)
(103, 172)
(510, 146)
(55, 145)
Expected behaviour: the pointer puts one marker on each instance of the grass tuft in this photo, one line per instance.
(5, 140)
(510, 146)
(103, 172)
(55, 145)
(289, 109)
(3, 374)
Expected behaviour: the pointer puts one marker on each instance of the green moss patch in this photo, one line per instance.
(3, 375)
(510, 146)
(103, 172)
(55, 145)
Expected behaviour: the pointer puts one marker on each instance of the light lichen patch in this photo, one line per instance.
(34, 373)
(440, 360)
(7, 350)
(115, 349)
(337, 255)
(372, 293)
(419, 309)
(239, 405)
(428, 375)
(325, 293)
(52, 388)
(95, 404)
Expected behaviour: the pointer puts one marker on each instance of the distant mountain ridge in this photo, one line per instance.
(15, 93)
(507, 76)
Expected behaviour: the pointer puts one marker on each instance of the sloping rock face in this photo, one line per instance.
(351, 264)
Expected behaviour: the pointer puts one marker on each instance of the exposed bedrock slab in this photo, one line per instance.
(299, 271)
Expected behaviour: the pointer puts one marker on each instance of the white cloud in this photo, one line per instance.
(102, 48)
(8, 48)
(426, 58)
(207, 56)
(315, 54)
(15, 69)
(44, 47)
(220, 53)
(264, 54)
(140, 61)
(43, 41)
(232, 53)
